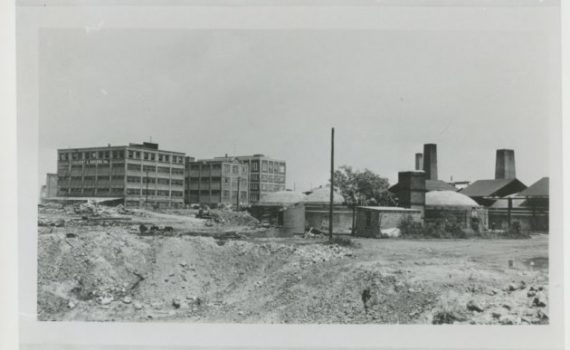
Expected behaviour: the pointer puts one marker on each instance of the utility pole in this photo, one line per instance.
(332, 188)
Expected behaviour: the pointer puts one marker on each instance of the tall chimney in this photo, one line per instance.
(419, 161)
(505, 164)
(412, 189)
(430, 161)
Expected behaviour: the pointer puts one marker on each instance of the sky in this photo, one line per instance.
(278, 92)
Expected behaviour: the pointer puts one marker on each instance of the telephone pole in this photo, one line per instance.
(332, 188)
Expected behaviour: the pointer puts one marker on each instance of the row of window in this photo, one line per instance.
(89, 178)
(150, 156)
(152, 168)
(161, 193)
(268, 166)
(64, 190)
(66, 156)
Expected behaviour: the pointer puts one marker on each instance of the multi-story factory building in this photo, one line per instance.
(217, 180)
(141, 174)
(265, 175)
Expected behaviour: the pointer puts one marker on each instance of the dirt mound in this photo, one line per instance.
(92, 266)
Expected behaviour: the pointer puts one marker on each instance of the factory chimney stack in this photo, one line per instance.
(419, 161)
(430, 161)
(505, 164)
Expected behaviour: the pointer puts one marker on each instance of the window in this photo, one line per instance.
(226, 194)
(102, 190)
(235, 169)
(162, 169)
(89, 178)
(178, 171)
(368, 218)
(152, 156)
(255, 166)
(104, 165)
(216, 166)
(148, 192)
(160, 158)
(194, 179)
(137, 155)
(195, 167)
(135, 191)
(177, 193)
(118, 177)
(163, 181)
(264, 166)
(106, 155)
(117, 190)
(162, 193)
(149, 180)
(166, 158)
(177, 182)
(133, 179)
(149, 168)
(134, 167)
(226, 168)
(131, 154)
(145, 154)
(118, 165)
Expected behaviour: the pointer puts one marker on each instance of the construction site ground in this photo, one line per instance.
(95, 264)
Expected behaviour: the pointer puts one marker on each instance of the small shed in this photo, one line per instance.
(317, 205)
(378, 222)
(284, 209)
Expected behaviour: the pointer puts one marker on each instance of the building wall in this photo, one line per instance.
(265, 175)
(290, 219)
(463, 215)
(530, 219)
(369, 222)
(51, 186)
(216, 181)
(141, 174)
(317, 216)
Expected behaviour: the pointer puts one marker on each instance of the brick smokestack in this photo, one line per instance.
(412, 189)
(419, 161)
(505, 164)
(430, 161)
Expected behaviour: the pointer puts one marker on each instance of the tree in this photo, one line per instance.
(362, 187)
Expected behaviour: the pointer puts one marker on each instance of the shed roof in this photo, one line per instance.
(281, 198)
(438, 185)
(537, 189)
(449, 199)
(388, 208)
(483, 188)
(431, 185)
(517, 202)
(322, 195)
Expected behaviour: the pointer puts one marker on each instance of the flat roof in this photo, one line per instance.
(101, 148)
(387, 208)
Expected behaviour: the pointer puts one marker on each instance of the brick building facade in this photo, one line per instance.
(142, 174)
(266, 175)
(216, 181)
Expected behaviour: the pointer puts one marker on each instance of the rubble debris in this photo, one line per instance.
(473, 306)
(447, 317)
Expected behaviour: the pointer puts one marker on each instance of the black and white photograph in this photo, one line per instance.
(351, 164)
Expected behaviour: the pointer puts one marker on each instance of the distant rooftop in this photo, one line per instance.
(485, 188)
(537, 189)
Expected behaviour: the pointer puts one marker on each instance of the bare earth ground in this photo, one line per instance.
(100, 268)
